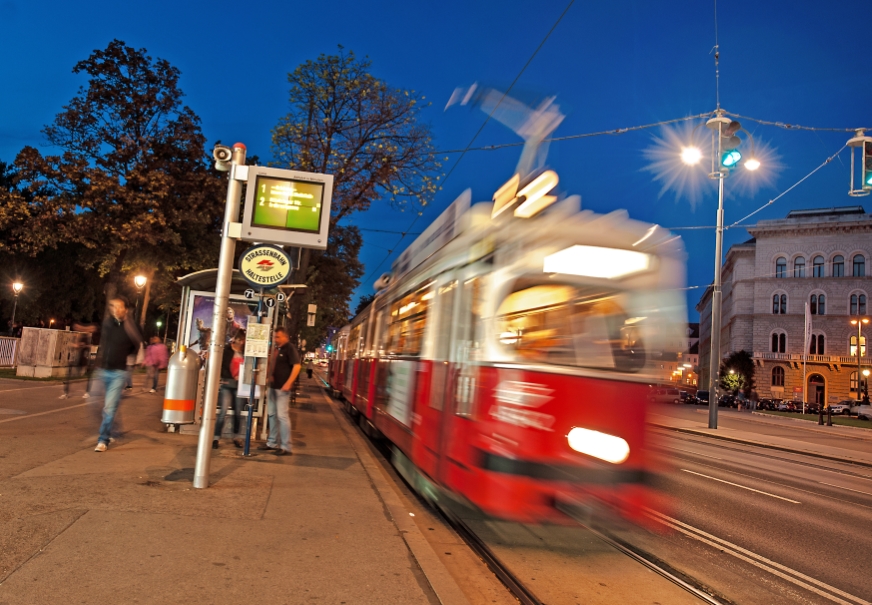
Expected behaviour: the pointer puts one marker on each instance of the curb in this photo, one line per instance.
(811, 422)
(699, 433)
(437, 575)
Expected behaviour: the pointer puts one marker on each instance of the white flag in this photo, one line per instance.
(808, 327)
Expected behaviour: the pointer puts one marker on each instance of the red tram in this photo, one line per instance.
(508, 359)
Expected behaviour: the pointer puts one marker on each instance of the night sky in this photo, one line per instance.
(611, 64)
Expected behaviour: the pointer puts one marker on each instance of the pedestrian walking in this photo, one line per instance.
(156, 359)
(231, 363)
(119, 339)
(284, 368)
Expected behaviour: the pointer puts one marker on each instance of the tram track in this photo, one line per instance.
(519, 589)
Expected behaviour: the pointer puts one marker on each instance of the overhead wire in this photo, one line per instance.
(478, 132)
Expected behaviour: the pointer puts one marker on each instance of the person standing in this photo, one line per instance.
(119, 339)
(234, 357)
(156, 359)
(284, 368)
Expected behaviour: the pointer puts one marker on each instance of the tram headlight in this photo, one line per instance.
(596, 261)
(599, 445)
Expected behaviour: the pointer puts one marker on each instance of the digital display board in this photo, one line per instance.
(285, 207)
(287, 204)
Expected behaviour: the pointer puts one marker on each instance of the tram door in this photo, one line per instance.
(429, 431)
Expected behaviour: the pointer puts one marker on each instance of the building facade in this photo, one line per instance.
(820, 257)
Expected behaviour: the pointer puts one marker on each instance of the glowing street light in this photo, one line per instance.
(691, 155)
(752, 164)
(17, 287)
(140, 281)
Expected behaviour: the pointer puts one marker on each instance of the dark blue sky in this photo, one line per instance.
(612, 64)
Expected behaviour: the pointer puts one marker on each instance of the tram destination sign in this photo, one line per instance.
(265, 266)
(287, 207)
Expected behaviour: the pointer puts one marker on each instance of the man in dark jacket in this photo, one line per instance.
(118, 339)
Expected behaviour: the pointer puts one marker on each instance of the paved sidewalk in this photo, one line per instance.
(844, 444)
(126, 526)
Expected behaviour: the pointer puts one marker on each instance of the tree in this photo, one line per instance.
(132, 187)
(363, 303)
(742, 378)
(346, 122)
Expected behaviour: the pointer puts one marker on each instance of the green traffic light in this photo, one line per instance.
(867, 178)
(731, 158)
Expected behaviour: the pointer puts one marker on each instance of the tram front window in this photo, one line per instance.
(564, 325)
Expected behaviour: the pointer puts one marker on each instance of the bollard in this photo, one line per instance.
(821, 415)
(829, 416)
(183, 372)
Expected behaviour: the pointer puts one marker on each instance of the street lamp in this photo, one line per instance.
(50, 323)
(17, 287)
(859, 323)
(726, 158)
(139, 281)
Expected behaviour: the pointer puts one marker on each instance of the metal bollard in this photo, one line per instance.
(829, 416)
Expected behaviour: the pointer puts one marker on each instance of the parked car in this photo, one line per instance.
(768, 404)
(692, 400)
(702, 397)
(864, 412)
(843, 407)
(786, 406)
(727, 401)
(811, 408)
(664, 396)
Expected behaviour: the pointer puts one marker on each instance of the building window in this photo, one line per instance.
(799, 267)
(859, 266)
(853, 382)
(779, 304)
(778, 376)
(779, 342)
(818, 266)
(817, 345)
(818, 304)
(852, 349)
(839, 266)
(781, 267)
(858, 304)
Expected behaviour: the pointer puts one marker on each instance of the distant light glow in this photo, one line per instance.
(17, 287)
(595, 261)
(691, 155)
(140, 280)
(599, 445)
(752, 164)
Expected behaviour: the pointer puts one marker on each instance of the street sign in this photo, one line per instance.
(269, 301)
(287, 207)
(280, 297)
(256, 339)
(249, 293)
(265, 266)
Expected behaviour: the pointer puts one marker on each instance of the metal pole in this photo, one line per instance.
(246, 451)
(14, 308)
(219, 325)
(715, 362)
(859, 339)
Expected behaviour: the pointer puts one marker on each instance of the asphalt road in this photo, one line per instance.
(763, 526)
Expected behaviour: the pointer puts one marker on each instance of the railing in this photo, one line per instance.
(843, 359)
(8, 351)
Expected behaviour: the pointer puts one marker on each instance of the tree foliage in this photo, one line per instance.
(363, 303)
(131, 188)
(742, 378)
(346, 122)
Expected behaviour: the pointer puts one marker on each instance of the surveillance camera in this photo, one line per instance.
(222, 155)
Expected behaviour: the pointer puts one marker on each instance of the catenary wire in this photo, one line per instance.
(478, 132)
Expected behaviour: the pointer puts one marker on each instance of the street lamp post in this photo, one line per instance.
(139, 281)
(725, 158)
(17, 287)
(859, 323)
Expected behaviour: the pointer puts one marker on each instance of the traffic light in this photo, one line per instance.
(730, 155)
(867, 165)
(329, 348)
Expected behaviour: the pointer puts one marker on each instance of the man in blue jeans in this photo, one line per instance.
(118, 339)
(284, 368)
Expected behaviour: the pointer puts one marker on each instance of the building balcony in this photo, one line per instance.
(795, 359)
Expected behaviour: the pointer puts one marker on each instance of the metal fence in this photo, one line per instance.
(8, 351)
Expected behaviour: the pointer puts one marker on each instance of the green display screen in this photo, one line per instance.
(288, 204)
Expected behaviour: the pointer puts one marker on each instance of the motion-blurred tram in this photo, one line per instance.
(507, 357)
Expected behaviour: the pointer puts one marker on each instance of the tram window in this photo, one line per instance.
(560, 325)
(353, 340)
(468, 331)
(444, 323)
(408, 320)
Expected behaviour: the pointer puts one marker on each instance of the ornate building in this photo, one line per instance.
(820, 257)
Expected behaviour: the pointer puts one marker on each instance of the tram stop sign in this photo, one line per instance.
(287, 207)
(265, 266)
